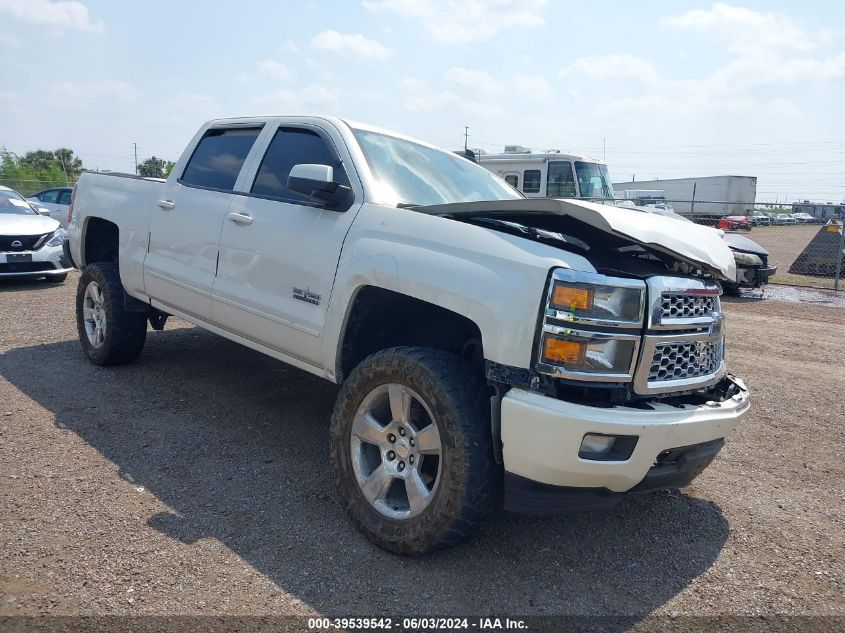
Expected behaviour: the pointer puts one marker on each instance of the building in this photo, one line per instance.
(820, 210)
(708, 195)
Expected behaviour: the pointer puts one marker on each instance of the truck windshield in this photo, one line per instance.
(593, 181)
(410, 173)
(11, 202)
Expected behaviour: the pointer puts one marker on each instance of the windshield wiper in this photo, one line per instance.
(407, 205)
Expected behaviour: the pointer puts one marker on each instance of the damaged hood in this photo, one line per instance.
(695, 244)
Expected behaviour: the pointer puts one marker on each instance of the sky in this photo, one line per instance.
(660, 89)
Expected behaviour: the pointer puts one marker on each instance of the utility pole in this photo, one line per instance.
(136, 158)
(604, 148)
(692, 202)
(466, 137)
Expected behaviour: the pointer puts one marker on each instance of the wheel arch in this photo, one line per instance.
(378, 318)
(100, 241)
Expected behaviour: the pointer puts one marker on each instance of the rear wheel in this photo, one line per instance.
(109, 334)
(411, 449)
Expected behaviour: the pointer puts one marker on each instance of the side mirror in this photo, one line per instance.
(42, 211)
(317, 182)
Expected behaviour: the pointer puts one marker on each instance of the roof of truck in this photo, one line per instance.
(336, 121)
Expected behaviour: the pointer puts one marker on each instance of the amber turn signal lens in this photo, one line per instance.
(572, 299)
(566, 353)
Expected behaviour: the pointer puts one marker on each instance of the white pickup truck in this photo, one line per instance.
(552, 354)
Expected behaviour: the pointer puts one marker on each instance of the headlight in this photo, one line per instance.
(591, 326)
(57, 238)
(748, 259)
(590, 352)
(600, 303)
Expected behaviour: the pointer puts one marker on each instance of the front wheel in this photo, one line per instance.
(109, 334)
(411, 449)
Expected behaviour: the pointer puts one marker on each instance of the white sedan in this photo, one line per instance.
(56, 200)
(803, 218)
(30, 243)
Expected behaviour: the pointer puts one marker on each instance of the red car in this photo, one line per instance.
(734, 223)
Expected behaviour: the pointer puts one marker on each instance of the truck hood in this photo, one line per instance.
(14, 224)
(695, 244)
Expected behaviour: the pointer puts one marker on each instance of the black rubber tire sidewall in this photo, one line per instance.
(125, 332)
(469, 487)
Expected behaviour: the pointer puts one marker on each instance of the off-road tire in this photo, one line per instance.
(126, 331)
(470, 480)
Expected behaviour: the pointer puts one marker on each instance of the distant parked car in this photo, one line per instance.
(804, 218)
(758, 218)
(56, 200)
(786, 218)
(30, 243)
(734, 223)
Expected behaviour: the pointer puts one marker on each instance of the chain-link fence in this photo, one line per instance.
(27, 187)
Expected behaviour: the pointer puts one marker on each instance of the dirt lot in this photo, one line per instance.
(195, 481)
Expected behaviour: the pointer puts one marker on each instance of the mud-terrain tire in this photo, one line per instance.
(109, 335)
(466, 487)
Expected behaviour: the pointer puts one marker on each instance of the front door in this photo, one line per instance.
(279, 250)
(186, 220)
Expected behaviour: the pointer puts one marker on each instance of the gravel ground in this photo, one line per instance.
(195, 482)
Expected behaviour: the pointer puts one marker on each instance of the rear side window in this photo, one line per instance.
(49, 196)
(64, 197)
(560, 183)
(531, 181)
(218, 158)
(289, 147)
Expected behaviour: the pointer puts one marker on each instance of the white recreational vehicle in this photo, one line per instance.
(550, 174)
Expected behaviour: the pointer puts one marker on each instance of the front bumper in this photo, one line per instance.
(542, 437)
(47, 261)
(754, 276)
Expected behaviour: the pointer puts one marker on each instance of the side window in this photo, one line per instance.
(64, 197)
(512, 180)
(218, 158)
(560, 183)
(49, 196)
(531, 181)
(292, 146)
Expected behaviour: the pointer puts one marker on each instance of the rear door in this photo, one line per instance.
(185, 225)
(279, 250)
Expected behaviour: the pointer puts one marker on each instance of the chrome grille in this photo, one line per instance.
(682, 361)
(686, 306)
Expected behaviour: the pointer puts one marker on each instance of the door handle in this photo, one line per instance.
(166, 204)
(240, 218)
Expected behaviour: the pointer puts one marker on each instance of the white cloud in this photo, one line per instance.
(422, 98)
(78, 95)
(351, 43)
(476, 80)
(308, 99)
(290, 46)
(745, 28)
(275, 70)
(615, 67)
(73, 15)
(463, 21)
(10, 40)
(533, 87)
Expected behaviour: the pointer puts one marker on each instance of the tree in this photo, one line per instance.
(31, 173)
(155, 168)
(61, 159)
